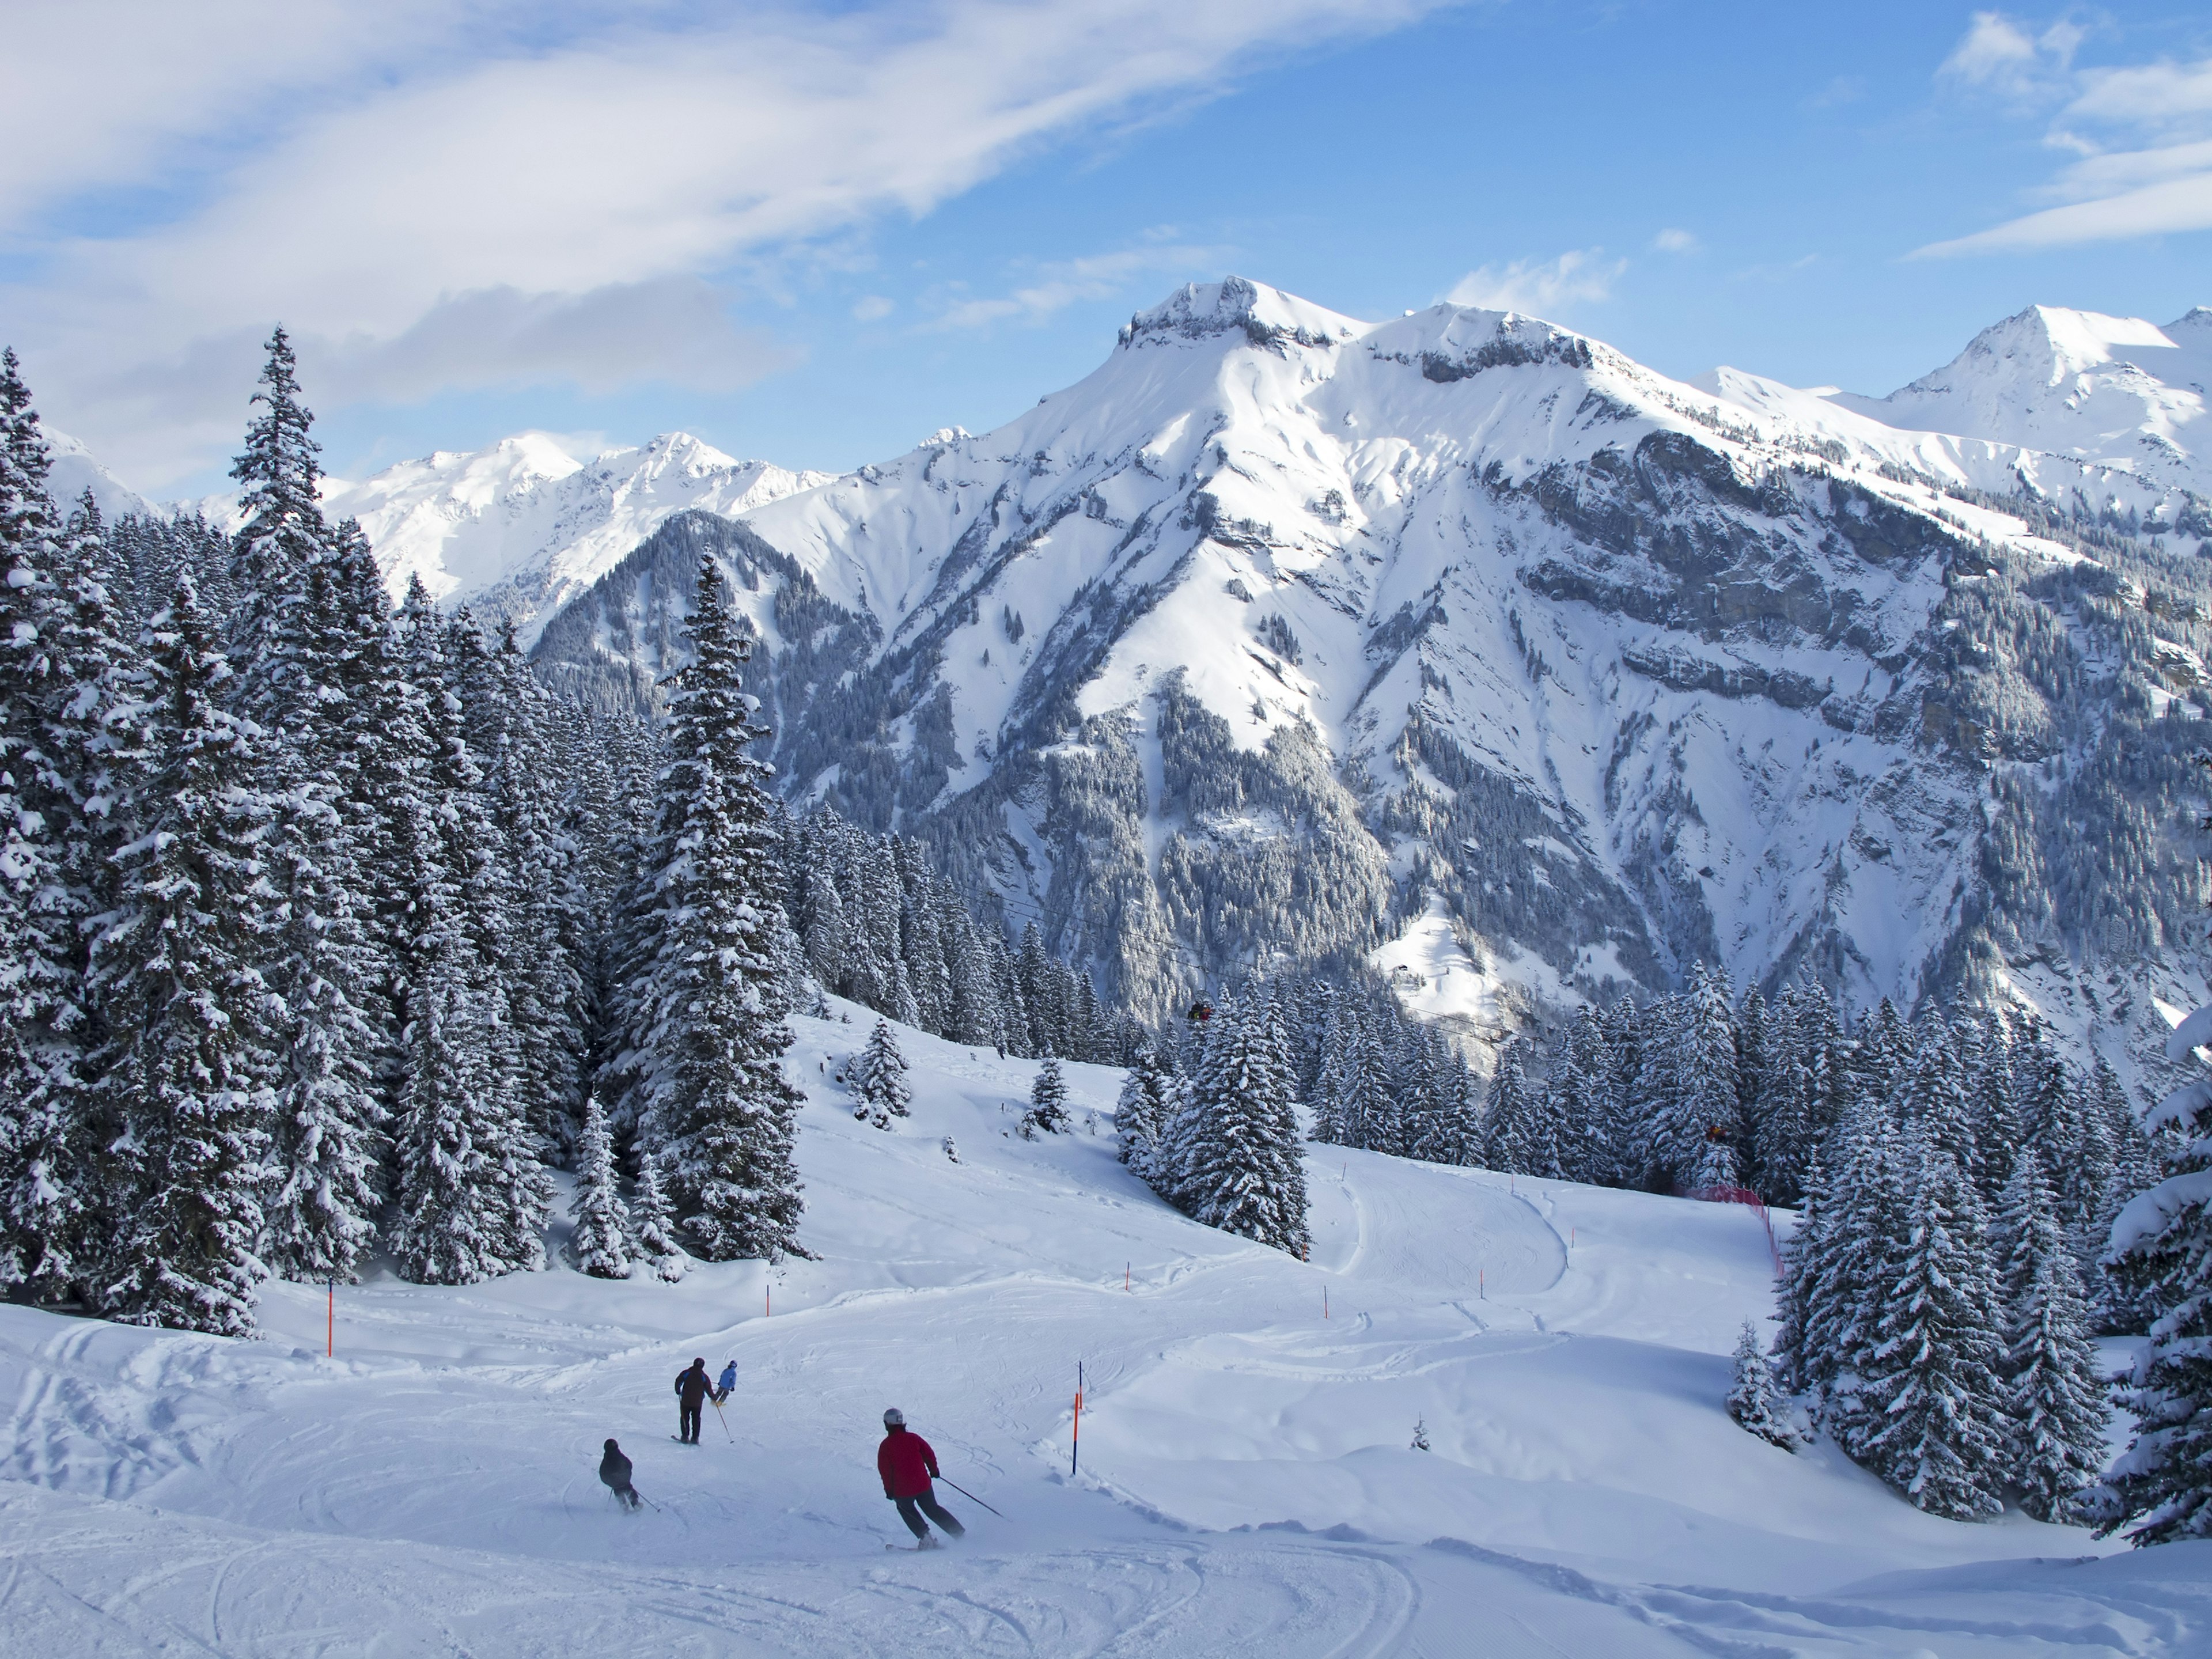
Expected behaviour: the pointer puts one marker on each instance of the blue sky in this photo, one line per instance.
(815, 235)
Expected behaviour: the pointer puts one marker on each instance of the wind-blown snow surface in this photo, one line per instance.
(1246, 1485)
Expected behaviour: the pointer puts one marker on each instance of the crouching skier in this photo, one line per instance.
(908, 1465)
(614, 1469)
(728, 1382)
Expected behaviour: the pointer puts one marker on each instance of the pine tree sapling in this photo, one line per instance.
(1048, 1112)
(878, 1079)
(599, 1245)
(1754, 1399)
(654, 1224)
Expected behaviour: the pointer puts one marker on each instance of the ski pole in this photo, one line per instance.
(726, 1422)
(969, 1496)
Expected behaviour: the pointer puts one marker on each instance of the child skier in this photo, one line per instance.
(907, 1464)
(729, 1381)
(614, 1469)
(691, 1387)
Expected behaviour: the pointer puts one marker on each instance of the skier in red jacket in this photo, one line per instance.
(907, 1464)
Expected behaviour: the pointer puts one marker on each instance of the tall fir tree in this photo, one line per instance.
(2053, 1393)
(1935, 1423)
(1236, 1148)
(184, 1072)
(705, 1019)
(62, 675)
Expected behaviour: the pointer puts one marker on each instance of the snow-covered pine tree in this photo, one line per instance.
(1753, 1397)
(1453, 1131)
(2161, 1488)
(878, 1077)
(183, 1071)
(1849, 1282)
(61, 674)
(1142, 1111)
(1930, 1394)
(471, 1194)
(705, 1017)
(1698, 1132)
(1238, 1142)
(1991, 1108)
(1878, 1048)
(288, 647)
(1510, 1141)
(654, 1221)
(1759, 1036)
(1048, 1112)
(599, 1245)
(1932, 1094)
(2054, 1393)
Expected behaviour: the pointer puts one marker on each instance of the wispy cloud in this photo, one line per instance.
(1545, 288)
(2141, 138)
(370, 175)
(1675, 241)
(2004, 55)
(1062, 284)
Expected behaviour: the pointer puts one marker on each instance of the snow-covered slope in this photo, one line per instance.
(1246, 1485)
(76, 469)
(1287, 632)
(520, 527)
(2117, 391)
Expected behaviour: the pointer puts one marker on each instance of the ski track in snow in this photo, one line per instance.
(1245, 1484)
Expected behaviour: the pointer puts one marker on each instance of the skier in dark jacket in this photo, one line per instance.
(614, 1469)
(691, 1388)
(907, 1464)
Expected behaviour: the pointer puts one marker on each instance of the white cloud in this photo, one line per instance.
(2141, 136)
(871, 308)
(1544, 287)
(1672, 240)
(1062, 284)
(543, 169)
(2005, 56)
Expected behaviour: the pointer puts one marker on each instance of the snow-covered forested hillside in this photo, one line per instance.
(1466, 645)
(1246, 1483)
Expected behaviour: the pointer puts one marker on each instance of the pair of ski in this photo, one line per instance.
(925, 1544)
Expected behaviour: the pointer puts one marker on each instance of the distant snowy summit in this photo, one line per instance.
(522, 527)
(2113, 390)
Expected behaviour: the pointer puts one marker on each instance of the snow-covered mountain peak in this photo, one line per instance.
(2117, 391)
(1236, 304)
(522, 524)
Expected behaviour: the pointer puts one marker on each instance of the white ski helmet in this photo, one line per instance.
(894, 1419)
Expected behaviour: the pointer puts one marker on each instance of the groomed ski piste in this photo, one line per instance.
(1246, 1486)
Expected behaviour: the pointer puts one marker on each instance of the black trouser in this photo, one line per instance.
(690, 1422)
(627, 1495)
(928, 1504)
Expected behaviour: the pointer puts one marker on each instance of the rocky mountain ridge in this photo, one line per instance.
(1466, 645)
